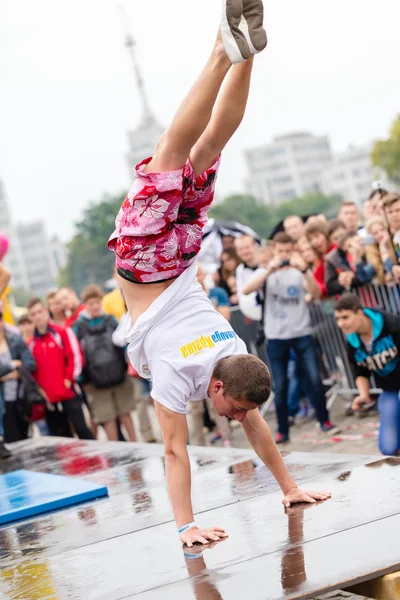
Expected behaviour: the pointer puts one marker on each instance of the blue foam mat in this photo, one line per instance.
(24, 494)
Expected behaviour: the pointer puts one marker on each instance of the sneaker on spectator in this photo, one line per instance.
(365, 410)
(4, 453)
(216, 438)
(329, 428)
(281, 438)
(228, 444)
(305, 409)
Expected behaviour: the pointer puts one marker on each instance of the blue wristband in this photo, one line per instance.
(186, 527)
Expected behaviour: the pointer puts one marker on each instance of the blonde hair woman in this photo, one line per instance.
(381, 254)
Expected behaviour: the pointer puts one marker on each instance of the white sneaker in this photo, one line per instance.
(235, 43)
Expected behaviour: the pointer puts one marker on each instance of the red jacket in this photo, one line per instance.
(58, 357)
(319, 272)
(70, 321)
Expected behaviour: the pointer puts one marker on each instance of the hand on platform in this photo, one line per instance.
(296, 496)
(202, 536)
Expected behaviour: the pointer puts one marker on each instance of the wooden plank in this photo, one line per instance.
(382, 588)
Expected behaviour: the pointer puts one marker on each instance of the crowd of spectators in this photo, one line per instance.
(65, 369)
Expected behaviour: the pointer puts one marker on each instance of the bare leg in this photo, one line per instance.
(126, 421)
(111, 431)
(226, 118)
(193, 115)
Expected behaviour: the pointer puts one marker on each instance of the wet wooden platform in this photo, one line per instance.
(126, 546)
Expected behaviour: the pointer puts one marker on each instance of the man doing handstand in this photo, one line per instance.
(175, 336)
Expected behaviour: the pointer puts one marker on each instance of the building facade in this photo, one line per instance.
(288, 167)
(33, 259)
(299, 163)
(351, 175)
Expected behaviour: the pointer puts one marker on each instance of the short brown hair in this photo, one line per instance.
(91, 291)
(282, 238)
(390, 199)
(347, 203)
(348, 302)
(334, 225)
(51, 294)
(317, 226)
(244, 377)
(33, 301)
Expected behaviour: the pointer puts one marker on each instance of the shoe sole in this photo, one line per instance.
(235, 42)
(253, 17)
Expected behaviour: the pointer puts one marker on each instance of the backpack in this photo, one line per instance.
(105, 363)
(29, 393)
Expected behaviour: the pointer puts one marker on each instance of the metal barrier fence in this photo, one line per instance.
(335, 365)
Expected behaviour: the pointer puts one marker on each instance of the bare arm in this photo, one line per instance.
(259, 436)
(5, 277)
(312, 285)
(225, 311)
(175, 436)
(257, 282)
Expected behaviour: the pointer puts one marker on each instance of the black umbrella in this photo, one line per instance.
(233, 228)
(279, 227)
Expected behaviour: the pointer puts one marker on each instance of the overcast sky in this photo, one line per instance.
(67, 93)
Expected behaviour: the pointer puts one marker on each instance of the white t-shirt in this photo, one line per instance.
(178, 341)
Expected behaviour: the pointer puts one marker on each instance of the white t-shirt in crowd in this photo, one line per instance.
(178, 341)
(286, 313)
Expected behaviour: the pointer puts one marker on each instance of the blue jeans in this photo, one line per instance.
(389, 431)
(295, 389)
(279, 355)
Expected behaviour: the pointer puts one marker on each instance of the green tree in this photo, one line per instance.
(89, 260)
(386, 153)
(246, 210)
(262, 218)
(314, 202)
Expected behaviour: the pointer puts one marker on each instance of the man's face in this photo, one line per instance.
(283, 251)
(55, 305)
(373, 207)
(349, 321)
(350, 217)
(294, 227)
(68, 299)
(93, 307)
(228, 407)
(227, 242)
(319, 242)
(246, 249)
(393, 215)
(39, 316)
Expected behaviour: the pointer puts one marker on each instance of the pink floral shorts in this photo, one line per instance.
(160, 224)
